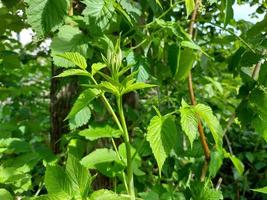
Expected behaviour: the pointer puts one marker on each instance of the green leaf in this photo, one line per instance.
(123, 12)
(69, 39)
(205, 113)
(190, 6)
(189, 122)
(186, 60)
(131, 9)
(14, 145)
(10, 3)
(136, 86)
(236, 162)
(229, 12)
(258, 28)
(75, 58)
(99, 12)
(57, 181)
(79, 176)
(162, 136)
(97, 67)
(80, 118)
(83, 101)
(46, 15)
(96, 132)
(190, 45)
(52, 197)
(73, 72)
(215, 163)
(109, 87)
(99, 156)
(5, 195)
(263, 75)
(204, 191)
(104, 194)
(261, 190)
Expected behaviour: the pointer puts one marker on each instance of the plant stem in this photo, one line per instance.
(193, 99)
(130, 181)
(115, 118)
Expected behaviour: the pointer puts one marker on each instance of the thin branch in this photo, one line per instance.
(257, 68)
(192, 95)
(218, 185)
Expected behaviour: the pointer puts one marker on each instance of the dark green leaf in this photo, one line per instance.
(46, 15)
(228, 12)
(186, 61)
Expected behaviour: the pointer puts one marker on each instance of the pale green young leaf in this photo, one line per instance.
(96, 132)
(136, 86)
(189, 122)
(162, 136)
(104, 194)
(109, 87)
(205, 113)
(83, 100)
(236, 162)
(46, 15)
(99, 156)
(5, 195)
(73, 72)
(190, 6)
(79, 177)
(190, 45)
(97, 67)
(80, 118)
(261, 190)
(76, 58)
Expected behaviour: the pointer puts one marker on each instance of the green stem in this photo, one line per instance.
(115, 118)
(130, 181)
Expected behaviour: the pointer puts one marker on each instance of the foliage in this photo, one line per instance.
(127, 60)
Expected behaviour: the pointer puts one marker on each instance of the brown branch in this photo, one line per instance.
(192, 95)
